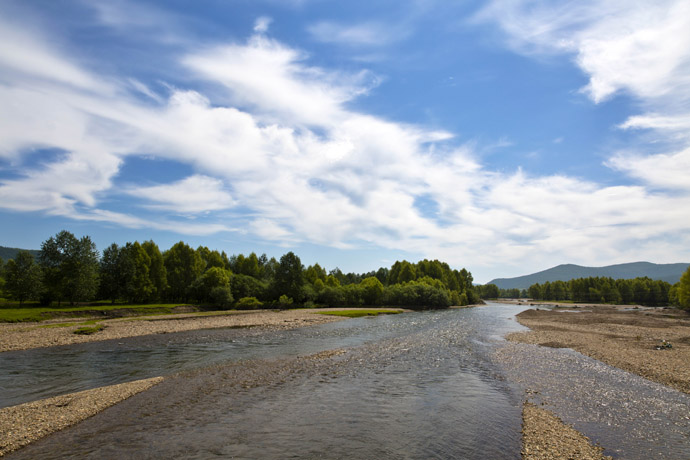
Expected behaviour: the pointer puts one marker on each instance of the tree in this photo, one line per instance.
(157, 272)
(183, 266)
(214, 286)
(683, 290)
(289, 277)
(314, 273)
(135, 263)
(372, 291)
(70, 268)
(23, 277)
(111, 278)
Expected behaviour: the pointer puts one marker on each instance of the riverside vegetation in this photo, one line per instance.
(637, 291)
(70, 270)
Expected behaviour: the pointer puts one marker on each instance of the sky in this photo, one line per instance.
(503, 136)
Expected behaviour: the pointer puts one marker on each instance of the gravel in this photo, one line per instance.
(546, 437)
(25, 423)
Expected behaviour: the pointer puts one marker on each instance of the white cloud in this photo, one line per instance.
(195, 194)
(639, 47)
(270, 77)
(665, 171)
(305, 167)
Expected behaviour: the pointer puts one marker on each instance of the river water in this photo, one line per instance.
(416, 385)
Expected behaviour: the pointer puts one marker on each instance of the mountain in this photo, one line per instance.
(665, 272)
(9, 253)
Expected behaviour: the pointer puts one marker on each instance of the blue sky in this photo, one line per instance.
(505, 136)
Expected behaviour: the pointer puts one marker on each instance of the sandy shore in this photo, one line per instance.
(24, 336)
(25, 423)
(619, 336)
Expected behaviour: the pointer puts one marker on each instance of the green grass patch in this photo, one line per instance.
(15, 314)
(358, 313)
(88, 330)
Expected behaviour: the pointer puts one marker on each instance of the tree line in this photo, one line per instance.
(639, 291)
(70, 270)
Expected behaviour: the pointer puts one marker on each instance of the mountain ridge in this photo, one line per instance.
(10, 253)
(666, 272)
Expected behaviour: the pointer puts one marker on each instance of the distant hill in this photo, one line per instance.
(666, 272)
(9, 253)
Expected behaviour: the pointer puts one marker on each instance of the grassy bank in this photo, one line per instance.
(15, 314)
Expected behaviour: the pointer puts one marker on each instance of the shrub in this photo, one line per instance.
(248, 303)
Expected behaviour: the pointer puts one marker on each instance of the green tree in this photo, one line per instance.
(289, 277)
(134, 265)
(372, 291)
(2, 276)
(70, 268)
(314, 273)
(489, 291)
(683, 290)
(23, 277)
(214, 286)
(157, 272)
(183, 266)
(111, 278)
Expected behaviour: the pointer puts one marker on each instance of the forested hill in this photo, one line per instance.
(666, 272)
(9, 253)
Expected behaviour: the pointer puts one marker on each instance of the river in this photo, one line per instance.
(409, 386)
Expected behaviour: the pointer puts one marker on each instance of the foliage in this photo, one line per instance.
(642, 291)
(183, 266)
(248, 303)
(683, 290)
(139, 273)
(70, 268)
(23, 278)
(289, 277)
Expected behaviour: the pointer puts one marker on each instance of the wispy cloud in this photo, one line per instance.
(638, 47)
(193, 195)
(267, 131)
(261, 24)
(370, 34)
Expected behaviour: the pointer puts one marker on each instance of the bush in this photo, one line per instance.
(248, 303)
(284, 301)
(221, 296)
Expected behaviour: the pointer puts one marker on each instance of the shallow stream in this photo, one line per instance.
(416, 385)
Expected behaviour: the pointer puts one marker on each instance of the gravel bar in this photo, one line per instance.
(25, 423)
(546, 437)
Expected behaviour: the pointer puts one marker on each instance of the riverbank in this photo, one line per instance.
(23, 336)
(23, 424)
(629, 338)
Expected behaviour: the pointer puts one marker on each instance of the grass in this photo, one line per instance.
(359, 313)
(16, 314)
(88, 330)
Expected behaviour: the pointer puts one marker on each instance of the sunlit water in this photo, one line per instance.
(417, 385)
